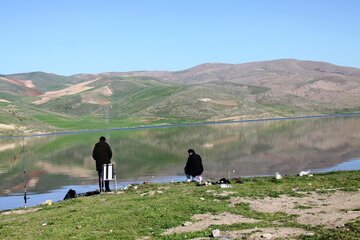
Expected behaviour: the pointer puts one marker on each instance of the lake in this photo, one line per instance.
(56, 163)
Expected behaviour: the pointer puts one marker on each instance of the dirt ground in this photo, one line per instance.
(261, 233)
(203, 221)
(7, 126)
(21, 211)
(331, 210)
(3, 100)
(74, 89)
(228, 103)
(97, 96)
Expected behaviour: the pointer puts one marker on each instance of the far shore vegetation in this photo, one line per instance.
(64, 124)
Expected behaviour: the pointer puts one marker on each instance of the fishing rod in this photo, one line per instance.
(24, 167)
(25, 192)
(107, 109)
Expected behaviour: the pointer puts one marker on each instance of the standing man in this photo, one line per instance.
(102, 155)
(194, 167)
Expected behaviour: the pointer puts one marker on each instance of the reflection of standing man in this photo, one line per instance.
(194, 167)
(102, 154)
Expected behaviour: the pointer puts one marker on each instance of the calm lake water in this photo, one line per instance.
(56, 163)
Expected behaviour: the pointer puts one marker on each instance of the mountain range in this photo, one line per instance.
(43, 102)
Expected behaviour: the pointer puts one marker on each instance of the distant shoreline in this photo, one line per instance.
(187, 124)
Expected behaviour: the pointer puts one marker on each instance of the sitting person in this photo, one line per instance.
(194, 167)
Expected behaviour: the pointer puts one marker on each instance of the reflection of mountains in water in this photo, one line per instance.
(278, 146)
(292, 146)
(248, 148)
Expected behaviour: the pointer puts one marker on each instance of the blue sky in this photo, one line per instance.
(78, 36)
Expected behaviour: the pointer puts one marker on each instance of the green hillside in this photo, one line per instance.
(208, 92)
(46, 81)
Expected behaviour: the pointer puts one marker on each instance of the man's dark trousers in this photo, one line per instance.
(107, 188)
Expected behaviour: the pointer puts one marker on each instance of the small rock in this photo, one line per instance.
(340, 226)
(44, 224)
(47, 203)
(238, 180)
(110, 230)
(135, 187)
(78, 227)
(278, 176)
(303, 173)
(215, 233)
(223, 185)
(266, 236)
(186, 224)
(202, 199)
(309, 184)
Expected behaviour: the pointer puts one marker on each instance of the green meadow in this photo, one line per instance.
(148, 210)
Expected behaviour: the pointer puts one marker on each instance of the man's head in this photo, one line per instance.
(102, 139)
(191, 151)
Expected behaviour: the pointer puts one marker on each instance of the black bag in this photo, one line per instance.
(224, 180)
(70, 194)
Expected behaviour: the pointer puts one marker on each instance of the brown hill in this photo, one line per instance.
(211, 91)
(318, 81)
(287, 80)
(18, 87)
(248, 73)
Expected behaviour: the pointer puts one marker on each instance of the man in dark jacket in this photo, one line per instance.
(194, 167)
(102, 155)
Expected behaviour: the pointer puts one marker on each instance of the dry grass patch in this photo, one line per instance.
(74, 89)
(151, 193)
(20, 211)
(203, 221)
(7, 126)
(263, 233)
(97, 96)
(329, 210)
(4, 101)
(221, 194)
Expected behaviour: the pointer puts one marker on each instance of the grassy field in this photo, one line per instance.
(83, 123)
(147, 211)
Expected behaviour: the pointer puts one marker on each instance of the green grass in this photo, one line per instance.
(82, 123)
(130, 215)
(72, 123)
(348, 110)
(302, 207)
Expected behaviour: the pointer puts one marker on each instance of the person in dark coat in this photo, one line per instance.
(102, 155)
(194, 167)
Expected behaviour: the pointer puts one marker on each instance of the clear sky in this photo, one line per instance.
(92, 36)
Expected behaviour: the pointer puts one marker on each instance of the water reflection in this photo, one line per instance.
(244, 149)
